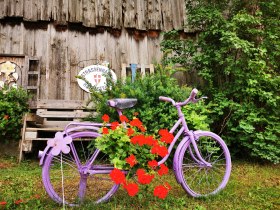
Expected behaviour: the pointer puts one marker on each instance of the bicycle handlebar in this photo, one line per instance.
(190, 99)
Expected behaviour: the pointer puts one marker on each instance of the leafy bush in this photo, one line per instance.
(153, 113)
(13, 103)
(237, 54)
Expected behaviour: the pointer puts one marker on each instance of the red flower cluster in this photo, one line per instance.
(163, 170)
(131, 188)
(114, 125)
(131, 160)
(105, 118)
(17, 202)
(130, 131)
(105, 130)
(137, 123)
(166, 137)
(161, 191)
(157, 148)
(143, 140)
(117, 176)
(6, 117)
(143, 177)
(124, 119)
(3, 203)
(153, 163)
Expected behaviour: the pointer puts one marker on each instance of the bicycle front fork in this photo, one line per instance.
(197, 156)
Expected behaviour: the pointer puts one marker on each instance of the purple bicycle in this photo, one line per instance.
(71, 175)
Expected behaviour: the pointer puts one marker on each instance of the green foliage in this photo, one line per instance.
(153, 113)
(117, 145)
(237, 54)
(13, 104)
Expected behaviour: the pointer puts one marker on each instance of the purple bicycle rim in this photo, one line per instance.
(82, 185)
(178, 167)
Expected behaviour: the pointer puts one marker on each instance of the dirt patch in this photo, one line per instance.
(9, 149)
(5, 165)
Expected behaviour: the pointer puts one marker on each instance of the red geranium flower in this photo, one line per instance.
(3, 203)
(117, 176)
(136, 122)
(139, 139)
(150, 141)
(131, 160)
(123, 118)
(142, 128)
(105, 130)
(153, 163)
(17, 202)
(105, 118)
(6, 117)
(131, 188)
(114, 125)
(143, 177)
(161, 191)
(163, 170)
(159, 150)
(166, 136)
(130, 131)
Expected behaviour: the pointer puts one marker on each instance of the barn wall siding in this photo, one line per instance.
(161, 15)
(63, 53)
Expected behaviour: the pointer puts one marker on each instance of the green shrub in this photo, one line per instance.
(13, 104)
(237, 54)
(153, 113)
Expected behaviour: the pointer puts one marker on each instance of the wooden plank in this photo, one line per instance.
(46, 9)
(167, 18)
(2, 9)
(116, 14)
(103, 12)
(129, 14)
(61, 114)
(89, 13)
(34, 130)
(30, 134)
(141, 14)
(27, 145)
(178, 10)
(19, 8)
(154, 15)
(56, 124)
(32, 117)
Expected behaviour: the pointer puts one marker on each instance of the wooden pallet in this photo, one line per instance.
(51, 116)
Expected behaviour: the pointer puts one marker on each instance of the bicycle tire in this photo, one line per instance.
(77, 187)
(196, 178)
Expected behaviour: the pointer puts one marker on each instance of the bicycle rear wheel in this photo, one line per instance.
(198, 179)
(64, 180)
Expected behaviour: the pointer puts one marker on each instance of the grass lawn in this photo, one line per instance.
(251, 186)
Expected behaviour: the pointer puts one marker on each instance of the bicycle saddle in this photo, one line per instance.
(122, 103)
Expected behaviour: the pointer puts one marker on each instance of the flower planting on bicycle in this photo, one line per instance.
(122, 154)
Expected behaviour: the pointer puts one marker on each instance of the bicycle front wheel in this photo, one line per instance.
(65, 180)
(198, 179)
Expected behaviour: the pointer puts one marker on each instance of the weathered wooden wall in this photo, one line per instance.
(67, 35)
(161, 15)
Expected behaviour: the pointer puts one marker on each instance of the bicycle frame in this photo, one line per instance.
(93, 132)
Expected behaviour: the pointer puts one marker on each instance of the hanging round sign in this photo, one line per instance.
(96, 76)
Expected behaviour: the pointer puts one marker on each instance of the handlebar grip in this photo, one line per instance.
(162, 98)
(193, 93)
